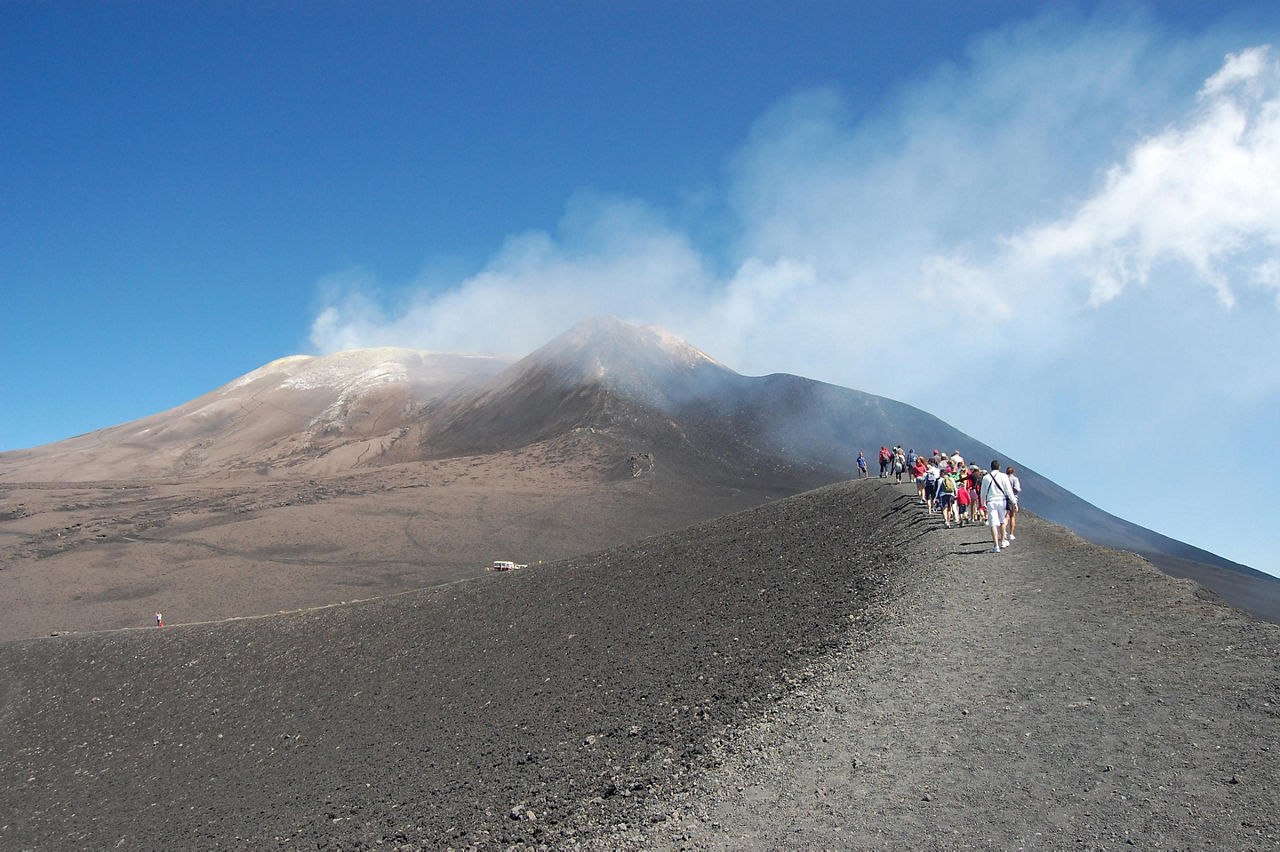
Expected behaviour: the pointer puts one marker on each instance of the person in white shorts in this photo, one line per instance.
(997, 494)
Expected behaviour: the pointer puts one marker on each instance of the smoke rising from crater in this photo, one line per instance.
(1014, 188)
(1078, 222)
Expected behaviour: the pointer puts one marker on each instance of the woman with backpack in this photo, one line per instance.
(947, 495)
(931, 485)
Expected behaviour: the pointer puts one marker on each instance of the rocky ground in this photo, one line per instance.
(833, 670)
(100, 554)
(1058, 695)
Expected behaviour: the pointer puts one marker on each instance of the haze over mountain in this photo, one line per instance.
(607, 433)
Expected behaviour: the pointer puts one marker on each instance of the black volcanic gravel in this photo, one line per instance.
(536, 707)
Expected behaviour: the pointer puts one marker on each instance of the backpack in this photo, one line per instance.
(948, 485)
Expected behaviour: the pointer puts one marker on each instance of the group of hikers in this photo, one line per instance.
(962, 493)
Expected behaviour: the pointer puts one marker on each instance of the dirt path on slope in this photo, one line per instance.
(1056, 694)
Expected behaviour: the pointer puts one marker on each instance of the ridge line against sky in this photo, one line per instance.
(1056, 229)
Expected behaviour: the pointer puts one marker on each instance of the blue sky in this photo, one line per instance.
(1056, 227)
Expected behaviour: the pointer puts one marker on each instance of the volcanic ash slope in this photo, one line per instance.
(524, 707)
(834, 670)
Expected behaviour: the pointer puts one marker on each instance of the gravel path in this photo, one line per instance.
(1055, 695)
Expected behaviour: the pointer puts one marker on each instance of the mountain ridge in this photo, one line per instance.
(613, 399)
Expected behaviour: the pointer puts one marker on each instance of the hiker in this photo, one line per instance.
(997, 494)
(899, 464)
(159, 620)
(919, 471)
(862, 466)
(1015, 486)
(962, 500)
(930, 485)
(884, 461)
(947, 495)
(977, 511)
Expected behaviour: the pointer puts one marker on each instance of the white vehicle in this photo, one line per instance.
(505, 565)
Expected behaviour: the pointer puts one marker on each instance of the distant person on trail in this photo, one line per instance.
(862, 466)
(899, 464)
(997, 494)
(919, 469)
(159, 620)
(885, 456)
(1015, 486)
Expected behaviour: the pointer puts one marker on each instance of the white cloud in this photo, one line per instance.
(976, 295)
(1252, 70)
(959, 197)
(1267, 277)
(1200, 194)
(1061, 223)
(610, 256)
